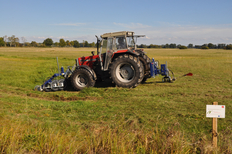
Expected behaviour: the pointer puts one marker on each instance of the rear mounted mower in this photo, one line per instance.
(164, 71)
(117, 59)
(57, 82)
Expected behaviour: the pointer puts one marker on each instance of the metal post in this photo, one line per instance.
(58, 66)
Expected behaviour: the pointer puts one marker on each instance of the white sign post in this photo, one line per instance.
(215, 111)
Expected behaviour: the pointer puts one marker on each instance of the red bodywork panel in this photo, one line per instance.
(119, 51)
(89, 60)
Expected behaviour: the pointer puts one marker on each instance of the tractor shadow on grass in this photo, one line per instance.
(152, 82)
(104, 84)
(99, 84)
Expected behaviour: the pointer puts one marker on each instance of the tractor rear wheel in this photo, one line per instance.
(81, 78)
(126, 71)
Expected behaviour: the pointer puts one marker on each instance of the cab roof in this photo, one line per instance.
(117, 34)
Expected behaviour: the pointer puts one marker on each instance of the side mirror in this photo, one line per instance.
(93, 52)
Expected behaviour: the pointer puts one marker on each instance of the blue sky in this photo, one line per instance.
(162, 21)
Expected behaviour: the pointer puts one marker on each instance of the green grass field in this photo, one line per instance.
(154, 117)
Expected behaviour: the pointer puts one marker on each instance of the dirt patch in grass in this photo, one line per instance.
(56, 97)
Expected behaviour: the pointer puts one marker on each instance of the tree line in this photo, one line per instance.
(204, 46)
(13, 41)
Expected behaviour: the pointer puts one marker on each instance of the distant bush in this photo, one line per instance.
(229, 47)
(204, 47)
(48, 42)
(2, 43)
(182, 47)
(42, 45)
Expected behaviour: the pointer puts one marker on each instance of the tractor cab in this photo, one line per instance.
(117, 42)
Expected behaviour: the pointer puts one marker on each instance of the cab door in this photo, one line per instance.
(110, 49)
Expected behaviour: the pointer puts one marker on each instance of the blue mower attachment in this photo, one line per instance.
(53, 84)
(164, 71)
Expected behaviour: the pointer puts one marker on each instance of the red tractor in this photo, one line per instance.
(118, 59)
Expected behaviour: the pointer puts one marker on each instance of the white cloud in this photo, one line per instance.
(158, 34)
(181, 34)
(62, 37)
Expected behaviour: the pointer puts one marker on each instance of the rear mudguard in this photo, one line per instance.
(132, 52)
(122, 52)
(88, 69)
(110, 56)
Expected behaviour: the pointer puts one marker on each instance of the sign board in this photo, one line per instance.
(215, 111)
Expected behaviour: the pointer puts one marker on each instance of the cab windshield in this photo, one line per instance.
(131, 42)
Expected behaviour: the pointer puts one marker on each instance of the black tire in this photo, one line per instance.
(81, 78)
(126, 71)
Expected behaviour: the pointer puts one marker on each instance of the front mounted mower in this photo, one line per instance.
(117, 59)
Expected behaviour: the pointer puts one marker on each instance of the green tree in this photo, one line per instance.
(229, 47)
(27, 44)
(62, 43)
(72, 43)
(86, 44)
(221, 46)
(142, 46)
(56, 44)
(13, 40)
(166, 46)
(48, 42)
(42, 45)
(204, 47)
(92, 44)
(210, 45)
(190, 45)
(2, 43)
(34, 44)
(68, 43)
(76, 44)
(172, 45)
(183, 47)
(151, 46)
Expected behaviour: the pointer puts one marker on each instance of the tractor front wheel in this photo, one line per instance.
(81, 78)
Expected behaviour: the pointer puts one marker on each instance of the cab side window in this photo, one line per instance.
(121, 43)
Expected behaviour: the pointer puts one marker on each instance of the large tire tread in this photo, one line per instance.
(87, 74)
(132, 60)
